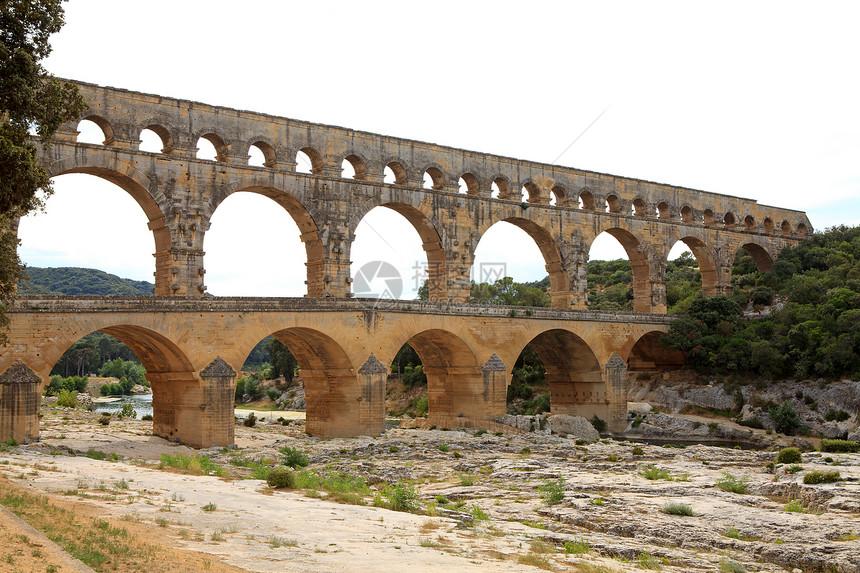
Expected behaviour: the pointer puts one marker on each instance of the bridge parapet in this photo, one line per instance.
(77, 304)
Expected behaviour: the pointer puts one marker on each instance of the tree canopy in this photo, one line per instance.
(31, 101)
(812, 329)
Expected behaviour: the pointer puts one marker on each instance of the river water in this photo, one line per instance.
(142, 404)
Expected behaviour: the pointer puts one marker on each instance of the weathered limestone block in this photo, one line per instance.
(19, 403)
(574, 427)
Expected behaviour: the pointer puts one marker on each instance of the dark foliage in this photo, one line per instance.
(78, 281)
(815, 333)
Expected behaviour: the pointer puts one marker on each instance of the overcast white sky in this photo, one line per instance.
(755, 99)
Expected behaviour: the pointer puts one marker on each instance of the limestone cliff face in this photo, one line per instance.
(813, 400)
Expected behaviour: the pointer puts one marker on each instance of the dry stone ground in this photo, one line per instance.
(606, 502)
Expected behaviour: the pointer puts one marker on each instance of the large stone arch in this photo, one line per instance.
(649, 355)
(708, 263)
(455, 385)
(308, 228)
(637, 251)
(429, 231)
(142, 188)
(548, 244)
(574, 373)
(334, 398)
(188, 406)
(760, 253)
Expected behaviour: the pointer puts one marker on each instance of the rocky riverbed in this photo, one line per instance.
(490, 502)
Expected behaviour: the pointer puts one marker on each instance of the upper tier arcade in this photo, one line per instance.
(180, 192)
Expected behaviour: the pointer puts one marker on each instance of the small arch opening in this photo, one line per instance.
(639, 208)
(353, 167)
(749, 223)
(586, 201)
(785, 229)
(433, 179)
(802, 231)
(613, 204)
(211, 148)
(531, 193)
(768, 225)
(664, 211)
(94, 130)
(155, 139)
(729, 220)
(261, 154)
(501, 188)
(687, 214)
(394, 173)
(708, 217)
(309, 160)
(256, 157)
(468, 183)
(558, 195)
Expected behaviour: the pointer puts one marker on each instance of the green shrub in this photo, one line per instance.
(479, 514)
(105, 419)
(598, 424)
(553, 491)
(675, 508)
(294, 458)
(127, 411)
(837, 416)
(400, 497)
(789, 456)
(194, 464)
(821, 477)
(728, 566)
(414, 376)
(67, 399)
(652, 472)
(146, 417)
(95, 454)
(793, 506)
(273, 393)
(240, 388)
(785, 418)
(732, 484)
(577, 547)
(637, 451)
(251, 420)
(839, 446)
(281, 478)
(752, 423)
(637, 421)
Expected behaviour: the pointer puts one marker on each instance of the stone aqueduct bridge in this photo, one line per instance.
(192, 346)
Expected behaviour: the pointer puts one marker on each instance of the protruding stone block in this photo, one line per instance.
(495, 375)
(615, 376)
(19, 403)
(216, 406)
(371, 404)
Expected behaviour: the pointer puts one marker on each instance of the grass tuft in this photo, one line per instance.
(676, 508)
(732, 484)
